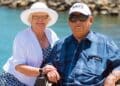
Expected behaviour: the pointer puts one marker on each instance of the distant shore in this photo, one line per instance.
(102, 7)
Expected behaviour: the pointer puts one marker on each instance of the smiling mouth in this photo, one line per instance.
(40, 23)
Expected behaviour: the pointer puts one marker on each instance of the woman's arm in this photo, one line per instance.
(28, 70)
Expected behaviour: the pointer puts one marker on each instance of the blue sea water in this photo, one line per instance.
(10, 25)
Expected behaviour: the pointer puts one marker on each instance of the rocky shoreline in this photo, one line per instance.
(102, 7)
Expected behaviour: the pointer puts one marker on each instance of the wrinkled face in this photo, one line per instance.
(39, 20)
(80, 24)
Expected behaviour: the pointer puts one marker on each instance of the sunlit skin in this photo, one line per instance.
(39, 20)
(80, 28)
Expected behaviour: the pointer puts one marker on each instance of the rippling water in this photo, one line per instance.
(10, 25)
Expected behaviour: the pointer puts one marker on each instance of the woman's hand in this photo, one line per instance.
(48, 68)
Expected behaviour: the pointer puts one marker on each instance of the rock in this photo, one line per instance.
(104, 12)
(41, 1)
(102, 2)
(105, 7)
(32, 0)
(19, 4)
(112, 5)
(61, 8)
(90, 2)
(114, 12)
(6, 2)
(97, 6)
(70, 2)
(52, 3)
(95, 12)
(92, 6)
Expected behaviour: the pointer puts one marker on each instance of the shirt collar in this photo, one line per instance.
(91, 36)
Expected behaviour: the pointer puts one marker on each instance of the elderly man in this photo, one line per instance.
(85, 58)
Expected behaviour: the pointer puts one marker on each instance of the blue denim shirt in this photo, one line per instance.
(86, 63)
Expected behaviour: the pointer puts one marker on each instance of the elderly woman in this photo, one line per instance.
(31, 46)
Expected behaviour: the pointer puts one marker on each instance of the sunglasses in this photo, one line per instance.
(78, 17)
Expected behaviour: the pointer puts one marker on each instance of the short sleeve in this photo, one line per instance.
(114, 55)
(19, 51)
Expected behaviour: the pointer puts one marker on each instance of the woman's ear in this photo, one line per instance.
(30, 18)
(49, 19)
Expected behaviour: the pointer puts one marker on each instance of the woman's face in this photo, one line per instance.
(39, 20)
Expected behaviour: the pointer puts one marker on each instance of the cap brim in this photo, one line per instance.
(25, 15)
(79, 11)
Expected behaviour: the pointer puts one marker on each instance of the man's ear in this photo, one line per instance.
(91, 19)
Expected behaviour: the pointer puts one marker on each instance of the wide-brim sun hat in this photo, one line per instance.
(39, 7)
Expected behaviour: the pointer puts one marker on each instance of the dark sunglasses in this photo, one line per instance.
(76, 17)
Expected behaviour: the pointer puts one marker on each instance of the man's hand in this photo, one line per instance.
(110, 80)
(52, 73)
(53, 76)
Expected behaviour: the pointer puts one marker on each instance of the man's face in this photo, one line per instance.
(80, 24)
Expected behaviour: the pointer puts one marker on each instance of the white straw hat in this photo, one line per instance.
(81, 8)
(39, 7)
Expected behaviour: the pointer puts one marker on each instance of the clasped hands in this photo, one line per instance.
(52, 74)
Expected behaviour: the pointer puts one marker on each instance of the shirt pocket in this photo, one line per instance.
(95, 64)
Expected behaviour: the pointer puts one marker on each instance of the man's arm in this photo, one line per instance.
(112, 78)
(114, 54)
